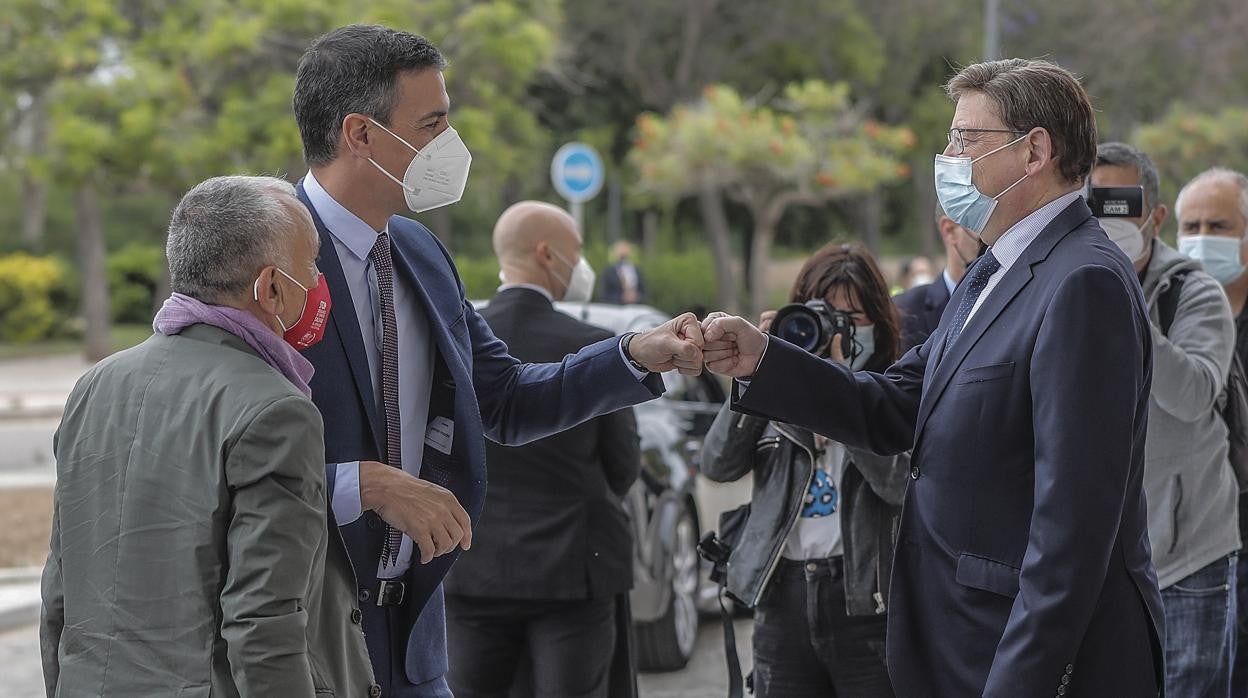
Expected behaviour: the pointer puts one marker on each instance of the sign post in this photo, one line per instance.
(577, 174)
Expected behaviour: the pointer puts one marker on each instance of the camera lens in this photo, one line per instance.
(801, 330)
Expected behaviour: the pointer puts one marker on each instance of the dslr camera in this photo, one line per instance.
(812, 325)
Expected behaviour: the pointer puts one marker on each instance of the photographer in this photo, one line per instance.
(816, 553)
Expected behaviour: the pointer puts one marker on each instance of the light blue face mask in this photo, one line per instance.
(962, 201)
(1218, 255)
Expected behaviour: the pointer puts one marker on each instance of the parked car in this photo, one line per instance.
(671, 587)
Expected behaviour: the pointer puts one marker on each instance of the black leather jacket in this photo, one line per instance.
(781, 457)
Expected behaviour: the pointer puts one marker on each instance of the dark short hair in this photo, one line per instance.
(851, 266)
(353, 70)
(1038, 94)
(1117, 154)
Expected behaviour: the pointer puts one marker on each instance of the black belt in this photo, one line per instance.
(390, 592)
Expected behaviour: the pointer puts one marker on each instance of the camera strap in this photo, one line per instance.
(735, 687)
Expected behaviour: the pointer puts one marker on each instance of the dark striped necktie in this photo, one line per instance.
(383, 265)
(984, 269)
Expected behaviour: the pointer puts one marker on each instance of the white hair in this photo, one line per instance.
(1221, 174)
(224, 229)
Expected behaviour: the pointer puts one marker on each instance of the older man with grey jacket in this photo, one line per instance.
(190, 554)
(1191, 490)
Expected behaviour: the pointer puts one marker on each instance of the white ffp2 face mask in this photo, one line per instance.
(437, 175)
(579, 286)
(1127, 236)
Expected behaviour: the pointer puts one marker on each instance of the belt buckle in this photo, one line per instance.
(390, 592)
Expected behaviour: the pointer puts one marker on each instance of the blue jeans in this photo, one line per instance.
(1200, 631)
(1239, 682)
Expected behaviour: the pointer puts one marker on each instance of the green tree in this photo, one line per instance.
(813, 147)
(1184, 143)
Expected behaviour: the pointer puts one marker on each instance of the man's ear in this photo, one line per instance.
(1159, 217)
(542, 254)
(267, 293)
(1039, 150)
(356, 135)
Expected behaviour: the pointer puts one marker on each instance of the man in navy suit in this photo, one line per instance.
(1023, 565)
(922, 305)
(409, 378)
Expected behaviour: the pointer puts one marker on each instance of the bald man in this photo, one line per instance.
(543, 591)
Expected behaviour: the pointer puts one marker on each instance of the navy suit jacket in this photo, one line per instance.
(478, 384)
(1023, 560)
(921, 308)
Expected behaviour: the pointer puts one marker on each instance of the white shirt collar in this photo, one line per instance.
(949, 282)
(1011, 245)
(532, 287)
(356, 235)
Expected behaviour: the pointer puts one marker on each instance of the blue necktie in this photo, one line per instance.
(984, 269)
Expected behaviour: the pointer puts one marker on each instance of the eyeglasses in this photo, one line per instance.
(957, 136)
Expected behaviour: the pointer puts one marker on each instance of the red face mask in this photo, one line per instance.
(310, 327)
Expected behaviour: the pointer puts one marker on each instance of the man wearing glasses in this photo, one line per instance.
(1023, 566)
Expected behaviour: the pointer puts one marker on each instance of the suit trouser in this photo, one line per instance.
(389, 659)
(568, 645)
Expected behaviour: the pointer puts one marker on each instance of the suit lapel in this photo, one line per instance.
(346, 325)
(942, 367)
(408, 263)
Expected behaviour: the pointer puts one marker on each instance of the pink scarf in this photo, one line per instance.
(181, 311)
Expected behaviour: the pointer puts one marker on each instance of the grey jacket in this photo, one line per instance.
(782, 459)
(190, 554)
(1188, 482)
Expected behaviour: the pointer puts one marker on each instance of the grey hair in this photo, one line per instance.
(353, 70)
(1117, 154)
(1224, 174)
(1033, 93)
(224, 230)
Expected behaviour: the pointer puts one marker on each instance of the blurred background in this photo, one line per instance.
(737, 136)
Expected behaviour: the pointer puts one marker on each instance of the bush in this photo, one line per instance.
(679, 281)
(34, 297)
(134, 274)
(479, 274)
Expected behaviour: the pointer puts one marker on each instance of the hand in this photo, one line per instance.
(733, 347)
(676, 344)
(765, 320)
(834, 350)
(429, 514)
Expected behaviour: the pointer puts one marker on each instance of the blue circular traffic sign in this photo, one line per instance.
(577, 172)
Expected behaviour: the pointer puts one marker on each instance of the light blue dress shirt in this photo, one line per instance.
(353, 239)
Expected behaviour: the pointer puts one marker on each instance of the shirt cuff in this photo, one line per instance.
(639, 375)
(346, 498)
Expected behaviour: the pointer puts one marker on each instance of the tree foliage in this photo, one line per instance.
(812, 146)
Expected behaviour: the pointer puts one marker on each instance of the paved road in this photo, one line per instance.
(19, 664)
(26, 444)
(705, 677)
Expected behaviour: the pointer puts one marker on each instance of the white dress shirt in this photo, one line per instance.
(1011, 245)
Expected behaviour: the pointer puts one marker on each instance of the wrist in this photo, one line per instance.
(625, 346)
(373, 484)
